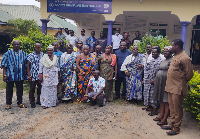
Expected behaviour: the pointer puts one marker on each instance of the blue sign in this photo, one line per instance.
(80, 6)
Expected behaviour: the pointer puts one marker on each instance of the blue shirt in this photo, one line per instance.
(34, 60)
(15, 64)
(91, 42)
(58, 54)
(121, 56)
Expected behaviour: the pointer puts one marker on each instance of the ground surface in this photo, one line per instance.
(82, 121)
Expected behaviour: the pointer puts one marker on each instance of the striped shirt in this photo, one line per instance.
(15, 63)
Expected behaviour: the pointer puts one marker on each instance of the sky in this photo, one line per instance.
(27, 2)
(21, 2)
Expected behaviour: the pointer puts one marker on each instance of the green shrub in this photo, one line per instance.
(162, 42)
(192, 100)
(35, 36)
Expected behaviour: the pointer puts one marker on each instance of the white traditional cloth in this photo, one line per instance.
(116, 39)
(48, 95)
(127, 61)
(63, 58)
(83, 39)
(97, 85)
(72, 40)
(47, 62)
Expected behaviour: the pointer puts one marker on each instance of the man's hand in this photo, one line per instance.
(40, 79)
(127, 74)
(93, 98)
(5, 78)
(30, 79)
(152, 82)
(85, 98)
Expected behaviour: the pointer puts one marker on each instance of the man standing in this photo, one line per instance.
(98, 85)
(147, 56)
(33, 61)
(136, 39)
(57, 52)
(59, 35)
(14, 71)
(66, 33)
(179, 73)
(91, 42)
(116, 39)
(83, 37)
(102, 42)
(126, 39)
(72, 39)
(62, 47)
(121, 56)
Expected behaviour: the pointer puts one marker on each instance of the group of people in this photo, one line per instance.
(87, 68)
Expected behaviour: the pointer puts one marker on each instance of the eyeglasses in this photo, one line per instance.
(82, 31)
(117, 30)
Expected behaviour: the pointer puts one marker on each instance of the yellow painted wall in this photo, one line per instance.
(184, 9)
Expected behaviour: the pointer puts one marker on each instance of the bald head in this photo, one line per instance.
(16, 45)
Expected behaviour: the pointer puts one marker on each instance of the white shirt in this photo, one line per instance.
(128, 60)
(97, 85)
(63, 58)
(72, 40)
(116, 39)
(83, 39)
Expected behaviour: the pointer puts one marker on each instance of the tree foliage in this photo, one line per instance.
(162, 42)
(21, 27)
(34, 36)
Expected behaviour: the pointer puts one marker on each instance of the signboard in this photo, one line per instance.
(80, 6)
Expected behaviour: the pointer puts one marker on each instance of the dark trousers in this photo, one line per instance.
(32, 91)
(118, 86)
(9, 91)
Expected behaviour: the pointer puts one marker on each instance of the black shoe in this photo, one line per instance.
(101, 105)
(123, 97)
(38, 103)
(33, 106)
(117, 97)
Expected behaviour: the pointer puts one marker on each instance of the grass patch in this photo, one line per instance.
(2, 83)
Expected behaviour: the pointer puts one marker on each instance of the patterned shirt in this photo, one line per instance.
(15, 63)
(34, 60)
(97, 85)
(58, 54)
(91, 42)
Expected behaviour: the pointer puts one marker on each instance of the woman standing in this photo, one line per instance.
(159, 93)
(107, 64)
(133, 67)
(48, 70)
(68, 72)
(85, 64)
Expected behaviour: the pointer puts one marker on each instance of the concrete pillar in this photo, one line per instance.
(184, 31)
(109, 37)
(44, 25)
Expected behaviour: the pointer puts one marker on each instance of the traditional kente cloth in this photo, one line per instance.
(69, 76)
(134, 82)
(151, 70)
(86, 65)
(15, 63)
(106, 71)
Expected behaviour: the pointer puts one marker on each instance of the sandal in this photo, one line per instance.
(157, 119)
(149, 109)
(166, 127)
(162, 123)
(172, 132)
(8, 107)
(152, 113)
(21, 106)
(44, 107)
